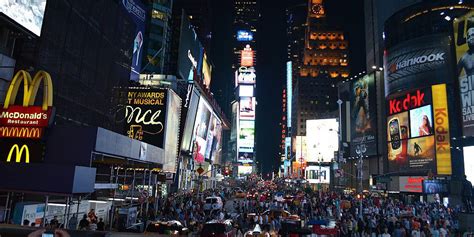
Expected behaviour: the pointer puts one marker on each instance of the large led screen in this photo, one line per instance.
(214, 136)
(245, 75)
(464, 43)
(190, 52)
(411, 132)
(190, 104)
(318, 174)
(301, 152)
(246, 91)
(245, 157)
(173, 117)
(247, 108)
(322, 139)
(28, 14)
(469, 162)
(201, 127)
(244, 35)
(246, 136)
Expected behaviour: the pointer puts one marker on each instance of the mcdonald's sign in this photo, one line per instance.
(27, 120)
(21, 151)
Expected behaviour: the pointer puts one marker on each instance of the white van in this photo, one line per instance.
(213, 204)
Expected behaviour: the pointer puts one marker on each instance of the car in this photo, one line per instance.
(213, 204)
(167, 227)
(219, 229)
(240, 194)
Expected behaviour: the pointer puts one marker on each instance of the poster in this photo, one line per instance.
(247, 108)
(145, 115)
(421, 123)
(363, 114)
(201, 127)
(464, 43)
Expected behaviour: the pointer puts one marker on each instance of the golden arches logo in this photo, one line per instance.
(31, 87)
(20, 132)
(19, 152)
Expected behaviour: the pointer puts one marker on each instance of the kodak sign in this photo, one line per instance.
(21, 123)
(407, 102)
(441, 124)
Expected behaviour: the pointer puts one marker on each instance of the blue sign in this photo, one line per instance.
(243, 35)
(136, 10)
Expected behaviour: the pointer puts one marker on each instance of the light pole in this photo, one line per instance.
(320, 159)
(360, 150)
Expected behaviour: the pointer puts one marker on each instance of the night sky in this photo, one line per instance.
(271, 61)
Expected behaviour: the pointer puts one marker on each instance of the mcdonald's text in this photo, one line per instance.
(32, 116)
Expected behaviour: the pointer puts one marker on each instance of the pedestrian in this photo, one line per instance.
(72, 224)
(84, 223)
(101, 225)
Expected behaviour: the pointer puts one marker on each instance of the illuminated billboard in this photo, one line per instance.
(136, 11)
(201, 127)
(417, 63)
(245, 75)
(322, 139)
(190, 51)
(246, 91)
(173, 118)
(145, 115)
(28, 14)
(190, 106)
(289, 91)
(468, 152)
(244, 35)
(415, 119)
(363, 115)
(247, 108)
(246, 136)
(411, 184)
(214, 138)
(244, 170)
(300, 149)
(206, 71)
(318, 174)
(245, 157)
(246, 57)
(464, 42)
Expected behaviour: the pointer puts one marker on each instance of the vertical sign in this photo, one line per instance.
(464, 43)
(441, 122)
(137, 13)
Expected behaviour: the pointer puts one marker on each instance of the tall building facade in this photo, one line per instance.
(244, 103)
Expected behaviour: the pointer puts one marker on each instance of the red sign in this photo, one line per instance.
(411, 100)
(246, 59)
(20, 116)
(21, 132)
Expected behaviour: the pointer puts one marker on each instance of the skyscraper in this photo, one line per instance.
(324, 62)
(245, 28)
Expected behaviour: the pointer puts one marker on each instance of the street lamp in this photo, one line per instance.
(320, 159)
(360, 150)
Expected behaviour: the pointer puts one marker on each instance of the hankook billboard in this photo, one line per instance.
(417, 63)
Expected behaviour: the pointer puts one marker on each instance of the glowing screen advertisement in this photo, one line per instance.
(244, 35)
(318, 174)
(245, 75)
(28, 14)
(321, 139)
(415, 119)
(190, 51)
(201, 127)
(246, 57)
(137, 13)
(469, 162)
(247, 108)
(246, 136)
(245, 91)
(464, 43)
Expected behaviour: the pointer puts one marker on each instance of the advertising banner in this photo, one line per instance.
(206, 71)
(441, 118)
(417, 63)
(201, 127)
(190, 52)
(245, 157)
(410, 137)
(363, 115)
(468, 152)
(245, 75)
(136, 11)
(246, 91)
(246, 57)
(244, 36)
(464, 43)
(247, 108)
(189, 110)
(322, 139)
(145, 115)
(411, 184)
(246, 136)
(28, 14)
(318, 174)
(214, 138)
(173, 118)
(435, 186)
